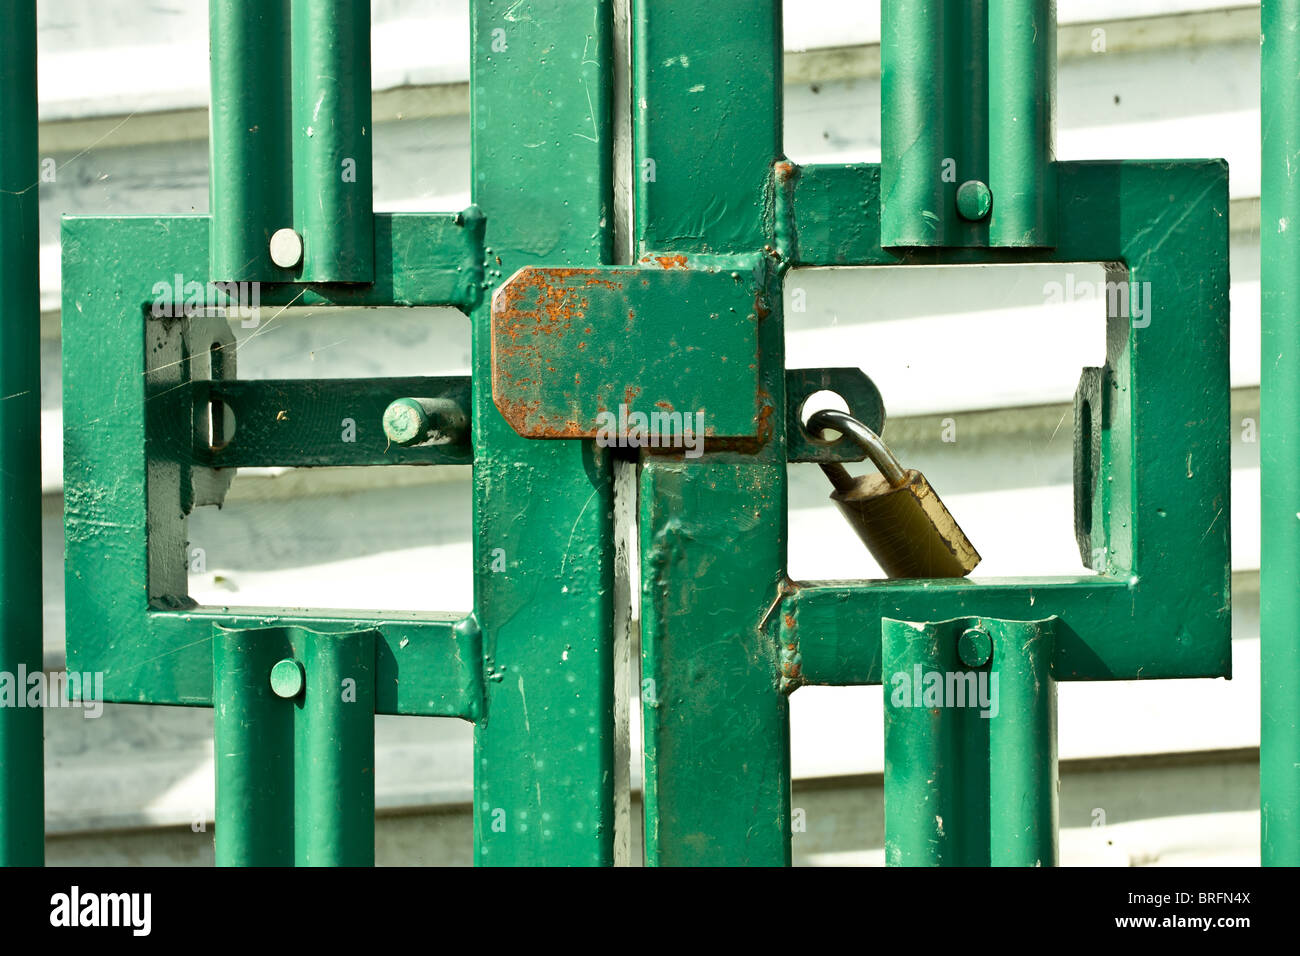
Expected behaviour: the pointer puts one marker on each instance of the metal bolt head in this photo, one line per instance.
(974, 647)
(974, 200)
(406, 422)
(287, 678)
(286, 248)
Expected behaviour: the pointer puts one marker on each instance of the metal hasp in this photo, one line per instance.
(1279, 560)
(22, 803)
(577, 349)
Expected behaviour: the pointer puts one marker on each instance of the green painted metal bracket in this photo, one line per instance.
(1155, 458)
(970, 742)
(133, 471)
(294, 746)
(529, 667)
(859, 393)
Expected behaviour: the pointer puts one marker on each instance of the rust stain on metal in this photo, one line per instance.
(669, 262)
(764, 417)
(535, 306)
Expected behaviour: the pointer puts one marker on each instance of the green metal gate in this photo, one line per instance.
(563, 336)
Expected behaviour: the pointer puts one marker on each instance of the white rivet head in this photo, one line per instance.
(286, 248)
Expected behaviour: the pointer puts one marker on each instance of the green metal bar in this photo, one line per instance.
(715, 725)
(333, 175)
(970, 743)
(295, 746)
(253, 748)
(1023, 774)
(543, 534)
(250, 181)
(705, 67)
(1022, 121)
(335, 422)
(1279, 753)
(334, 756)
(920, 120)
(22, 820)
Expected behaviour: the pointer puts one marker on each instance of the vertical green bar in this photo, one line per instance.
(253, 745)
(1022, 121)
(1022, 773)
(333, 178)
(543, 530)
(707, 103)
(715, 725)
(295, 773)
(22, 784)
(1279, 575)
(706, 115)
(936, 757)
(250, 182)
(334, 751)
(920, 120)
(970, 743)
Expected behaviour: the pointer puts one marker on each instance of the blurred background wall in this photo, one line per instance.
(977, 366)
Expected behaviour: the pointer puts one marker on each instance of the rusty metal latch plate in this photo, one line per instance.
(575, 351)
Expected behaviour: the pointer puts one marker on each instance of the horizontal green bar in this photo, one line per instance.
(427, 664)
(836, 215)
(324, 422)
(421, 259)
(836, 626)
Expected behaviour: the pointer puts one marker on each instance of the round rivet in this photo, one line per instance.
(287, 678)
(974, 647)
(974, 200)
(286, 248)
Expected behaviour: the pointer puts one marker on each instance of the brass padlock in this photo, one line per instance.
(896, 513)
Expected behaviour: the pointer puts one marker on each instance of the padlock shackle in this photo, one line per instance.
(870, 442)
